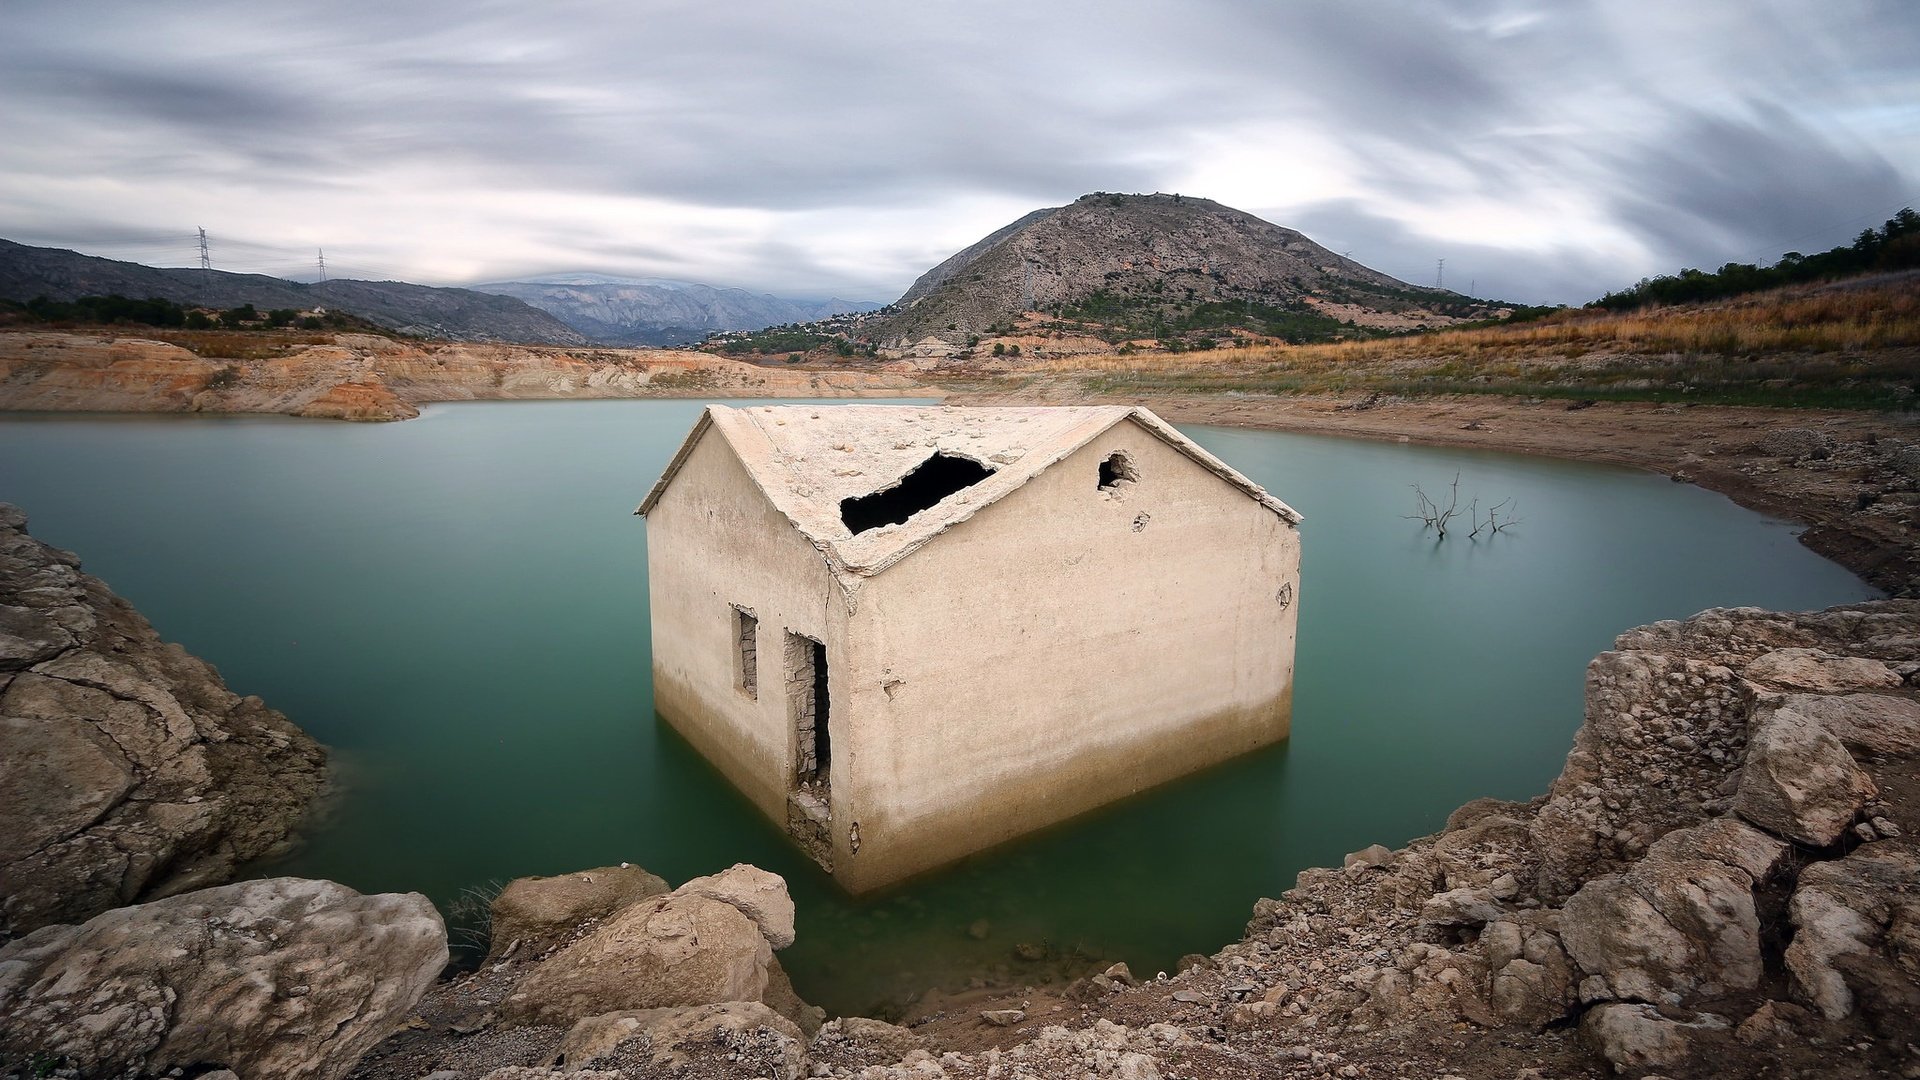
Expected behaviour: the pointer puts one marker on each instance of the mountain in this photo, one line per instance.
(653, 311)
(1158, 266)
(423, 310)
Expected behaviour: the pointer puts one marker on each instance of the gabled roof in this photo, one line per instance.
(807, 458)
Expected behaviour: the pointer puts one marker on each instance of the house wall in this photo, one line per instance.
(714, 542)
(1061, 649)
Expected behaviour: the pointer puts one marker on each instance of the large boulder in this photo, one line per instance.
(1856, 939)
(284, 977)
(1679, 923)
(661, 952)
(128, 771)
(1798, 780)
(1875, 723)
(532, 913)
(1635, 1037)
(1819, 670)
(758, 894)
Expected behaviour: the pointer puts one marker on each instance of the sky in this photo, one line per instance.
(1547, 150)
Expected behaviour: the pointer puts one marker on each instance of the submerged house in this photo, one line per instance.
(911, 633)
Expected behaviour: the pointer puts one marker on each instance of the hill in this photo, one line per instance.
(615, 311)
(419, 310)
(1157, 267)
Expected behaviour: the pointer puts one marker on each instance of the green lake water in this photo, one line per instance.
(457, 605)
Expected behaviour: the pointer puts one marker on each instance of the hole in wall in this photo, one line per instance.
(930, 481)
(1116, 470)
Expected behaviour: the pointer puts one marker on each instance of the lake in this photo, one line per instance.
(457, 605)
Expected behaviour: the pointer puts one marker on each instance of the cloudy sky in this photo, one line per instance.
(1549, 150)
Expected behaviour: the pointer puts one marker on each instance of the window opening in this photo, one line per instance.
(930, 481)
(746, 652)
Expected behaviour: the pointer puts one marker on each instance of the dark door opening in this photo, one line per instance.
(822, 742)
(807, 703)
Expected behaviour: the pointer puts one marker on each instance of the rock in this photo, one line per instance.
(1371, 855)
(1189, 997)
(1876, 723)
(1774, 1023)
(1798, 780)
(1857, 933)
(661, 952)
(1122, 974)
(128, 770)
(1003, 1017)
(1680, 922)
(1461, 907)
(876, 1041)
(1638, 1037)
(1796, 444)
(759, 895)
(758, 1041)
(1192, 961)
(535, 912)
(1819, 670)
(283, 977)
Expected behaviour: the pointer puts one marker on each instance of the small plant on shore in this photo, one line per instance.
(470, 916)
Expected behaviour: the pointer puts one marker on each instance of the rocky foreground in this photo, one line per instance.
(128, 770)
(369, 377)
(1719, 884)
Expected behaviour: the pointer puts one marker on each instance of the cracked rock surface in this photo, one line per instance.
(128, 770)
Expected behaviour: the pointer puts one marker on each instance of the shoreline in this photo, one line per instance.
(1720, 448)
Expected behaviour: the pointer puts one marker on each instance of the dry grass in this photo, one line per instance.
(1839, 346)
(233, 344)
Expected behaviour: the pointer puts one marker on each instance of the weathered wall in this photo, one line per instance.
(1046, 657)
(713, 541)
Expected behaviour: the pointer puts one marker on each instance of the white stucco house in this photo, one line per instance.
(911, 633)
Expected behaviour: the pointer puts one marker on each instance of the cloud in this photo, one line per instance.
(844, 147)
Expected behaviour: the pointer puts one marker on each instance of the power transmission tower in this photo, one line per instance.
(323, 263)
(1439, 273)
(206, 261)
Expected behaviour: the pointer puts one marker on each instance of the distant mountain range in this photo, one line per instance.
(451, 314)
(656, 311)
(1158, 266)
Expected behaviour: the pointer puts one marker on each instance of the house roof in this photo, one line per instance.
(807, 458)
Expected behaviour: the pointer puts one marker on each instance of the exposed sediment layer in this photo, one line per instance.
(128, 770)
(368, 377)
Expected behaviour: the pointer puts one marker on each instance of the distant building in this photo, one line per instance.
(909, 633)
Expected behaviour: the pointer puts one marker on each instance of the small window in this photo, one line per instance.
(1117, 470)
(746, 652)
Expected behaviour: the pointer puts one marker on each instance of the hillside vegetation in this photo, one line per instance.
(1894, 246)
(1852, 344)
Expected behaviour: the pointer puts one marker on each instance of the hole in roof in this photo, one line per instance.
(930, 481)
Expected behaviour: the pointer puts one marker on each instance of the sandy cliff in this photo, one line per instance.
(368, 377)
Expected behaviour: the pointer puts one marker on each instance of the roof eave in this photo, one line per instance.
(680, 456)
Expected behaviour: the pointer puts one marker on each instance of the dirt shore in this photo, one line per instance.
(1844, 480)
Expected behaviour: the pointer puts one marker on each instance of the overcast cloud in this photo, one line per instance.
(1549, 150)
